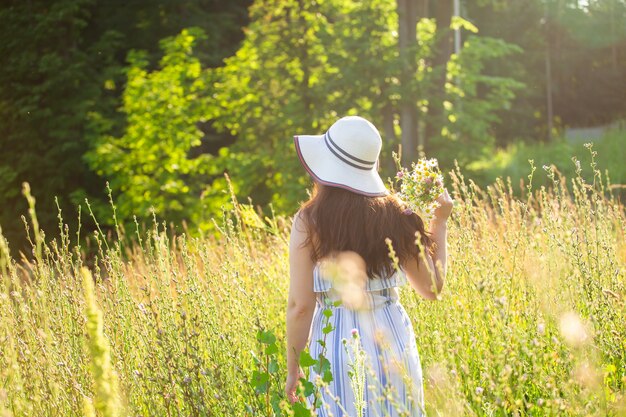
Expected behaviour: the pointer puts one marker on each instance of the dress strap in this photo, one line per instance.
(320, 284)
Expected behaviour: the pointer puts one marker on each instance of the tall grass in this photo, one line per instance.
(532, 320)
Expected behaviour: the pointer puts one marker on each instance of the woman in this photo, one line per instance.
(351, 211)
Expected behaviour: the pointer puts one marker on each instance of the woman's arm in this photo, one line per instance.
(301, 303)
(428, 277)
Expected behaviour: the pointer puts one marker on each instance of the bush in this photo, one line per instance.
(513, 161)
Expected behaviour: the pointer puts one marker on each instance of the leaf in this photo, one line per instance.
(271, 349)
(328, 328)
(300, 410)
(306, 360)
(260, 381)
(275, 401)
(328, 376)
(324, 364)
(309, 387)
(460, 23)
(273, 366)
(266, 337)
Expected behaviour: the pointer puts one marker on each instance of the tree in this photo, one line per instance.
(301, 66)
(473, 99)
(48, 86)
(589, 75)
(408, 16)
(149, 167)
(588, 61)
(442, 51)
(61, 84)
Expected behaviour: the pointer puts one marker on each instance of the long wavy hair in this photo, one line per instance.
(339, 220)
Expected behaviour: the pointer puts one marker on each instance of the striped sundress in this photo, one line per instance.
(383, 333)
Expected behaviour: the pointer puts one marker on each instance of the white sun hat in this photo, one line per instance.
(346, 156)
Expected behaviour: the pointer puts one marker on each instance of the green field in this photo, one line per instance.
(531, 321)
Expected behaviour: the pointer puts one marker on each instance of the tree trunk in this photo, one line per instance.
(441, 56)
(422, 8)
(407, 37)
(614, 42)
(390, 133)
(549, 103)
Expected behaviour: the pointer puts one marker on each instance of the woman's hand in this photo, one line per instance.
(445, 206)
(291, 386)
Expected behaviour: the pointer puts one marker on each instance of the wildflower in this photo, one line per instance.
(420, 186)
(355, 333)
(541, 328)
(479, 390)
(407, 212)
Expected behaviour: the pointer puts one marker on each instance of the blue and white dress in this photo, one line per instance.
(393, 373)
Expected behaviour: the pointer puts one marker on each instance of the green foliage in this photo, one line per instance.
(512, 161)
(142, 24)
(61, 83)
(48, 85)
(473, 100)
(266, 379)
(270, 90)
(585, 42)
(149, 166)
(301, 66)
(587, 48)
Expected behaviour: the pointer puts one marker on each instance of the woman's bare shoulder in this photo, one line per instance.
(300, 223)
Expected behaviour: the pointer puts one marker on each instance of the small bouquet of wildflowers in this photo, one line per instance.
(420, 186)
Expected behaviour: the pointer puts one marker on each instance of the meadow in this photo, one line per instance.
(531, 321)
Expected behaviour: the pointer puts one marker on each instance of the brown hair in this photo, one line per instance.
(339, 220)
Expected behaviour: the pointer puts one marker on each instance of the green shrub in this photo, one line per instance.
(513, 161)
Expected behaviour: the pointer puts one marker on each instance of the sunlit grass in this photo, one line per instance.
(531, 321)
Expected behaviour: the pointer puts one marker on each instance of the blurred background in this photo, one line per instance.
(161, 98)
